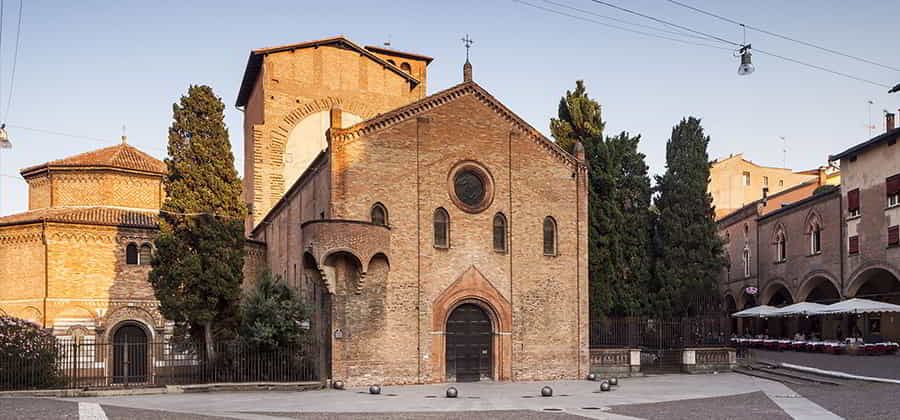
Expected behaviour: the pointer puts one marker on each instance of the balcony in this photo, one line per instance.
(363, 241)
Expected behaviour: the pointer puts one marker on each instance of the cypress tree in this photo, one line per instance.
(579, 119)
(689, 251)
(619, 199)
(197, 269)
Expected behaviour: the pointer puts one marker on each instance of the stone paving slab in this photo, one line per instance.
(887, 366)
(471, 415)
(751, 406)
(864, 401)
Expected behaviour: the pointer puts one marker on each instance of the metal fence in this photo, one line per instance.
(145, 364)
(656, 334)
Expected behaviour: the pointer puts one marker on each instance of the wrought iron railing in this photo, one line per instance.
(651, 333)
(81, 365)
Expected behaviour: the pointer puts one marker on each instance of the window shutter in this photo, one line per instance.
(893, 185)
(854, 244)
(894, 235)
(853, 200)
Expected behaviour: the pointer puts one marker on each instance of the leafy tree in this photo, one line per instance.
(619, 198)
(579, 119)
(29, 355)
(622, 222)
(272, 314)
(197, 268)
(689, 252)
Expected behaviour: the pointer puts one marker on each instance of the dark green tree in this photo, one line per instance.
(621, 260)
(619, 198)
(197, 268)
(689, 252)
(272, 315)
(579, 119)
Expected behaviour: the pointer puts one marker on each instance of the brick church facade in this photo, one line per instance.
(439, 237)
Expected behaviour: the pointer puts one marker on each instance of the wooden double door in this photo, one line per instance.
(469, 338)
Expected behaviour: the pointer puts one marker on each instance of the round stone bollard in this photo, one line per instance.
(452, 392)
(374, 389)
(338, 384)
(592, 376)
(604, 386)
(614, 381)
(546, 391)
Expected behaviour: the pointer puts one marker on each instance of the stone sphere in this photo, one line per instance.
(374, 389)
(592, 376)
(546, 391)
(452, 392)
(614, 381)
(604, 386)
(338, 384)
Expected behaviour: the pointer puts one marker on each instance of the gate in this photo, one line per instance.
(130, 355)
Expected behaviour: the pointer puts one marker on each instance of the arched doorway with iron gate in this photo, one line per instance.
(469, 345)
(130, 354)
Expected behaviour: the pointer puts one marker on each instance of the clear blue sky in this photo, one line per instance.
(88, 67)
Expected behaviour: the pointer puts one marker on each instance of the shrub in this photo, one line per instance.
(28, 355)
(273, 316)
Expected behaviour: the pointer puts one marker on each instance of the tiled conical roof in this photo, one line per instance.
(121, 156)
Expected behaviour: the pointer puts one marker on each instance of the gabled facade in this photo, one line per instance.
(441, 240)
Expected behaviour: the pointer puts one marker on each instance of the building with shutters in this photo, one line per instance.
(822, 243)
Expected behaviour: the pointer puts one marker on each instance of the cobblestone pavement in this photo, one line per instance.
(419, 415)
(860, 400)
(52, 409)
(887, 366)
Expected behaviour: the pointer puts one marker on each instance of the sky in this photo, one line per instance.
(87, 68)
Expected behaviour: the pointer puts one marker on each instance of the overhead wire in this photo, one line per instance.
(12, 78)
(623, 21)
(586, 19)
(727, 41)
(784, 37)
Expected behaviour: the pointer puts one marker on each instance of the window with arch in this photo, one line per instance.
(441, 228)
(131, 254)
(405, 67)
(499, 232)
(780, 246)
(746, 262)
(146, 254)
(550, 236)
(815, 238)
(379, 214)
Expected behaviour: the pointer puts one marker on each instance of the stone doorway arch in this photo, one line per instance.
(469, 343)
(130, 353)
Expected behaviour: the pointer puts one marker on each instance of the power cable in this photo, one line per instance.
(12, 78)
(76, 136)
(784, 37)
(720, 39)
(562, 13)
(626, 22)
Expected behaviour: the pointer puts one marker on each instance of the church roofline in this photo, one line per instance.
(389, 51)
(301, 180)
(427, 103)
(86, 215)
(121, 157)
(254, 62)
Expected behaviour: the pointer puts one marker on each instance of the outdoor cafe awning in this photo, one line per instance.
(801, 308)
(760, 311)
(858, 306)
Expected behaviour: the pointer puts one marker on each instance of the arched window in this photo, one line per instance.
(746, 262)
(379, 214)
(131, 254)
(146, 254)
(815, 238)
(499, 232)
(549, 236)
(780, 246)
(441, 228)
(405, 67)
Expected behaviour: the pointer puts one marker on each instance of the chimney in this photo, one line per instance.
(765, 197)
(888, 121)
(823, 175)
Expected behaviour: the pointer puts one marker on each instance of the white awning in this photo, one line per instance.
(859, 306)
(760, 311)
(801, 308)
